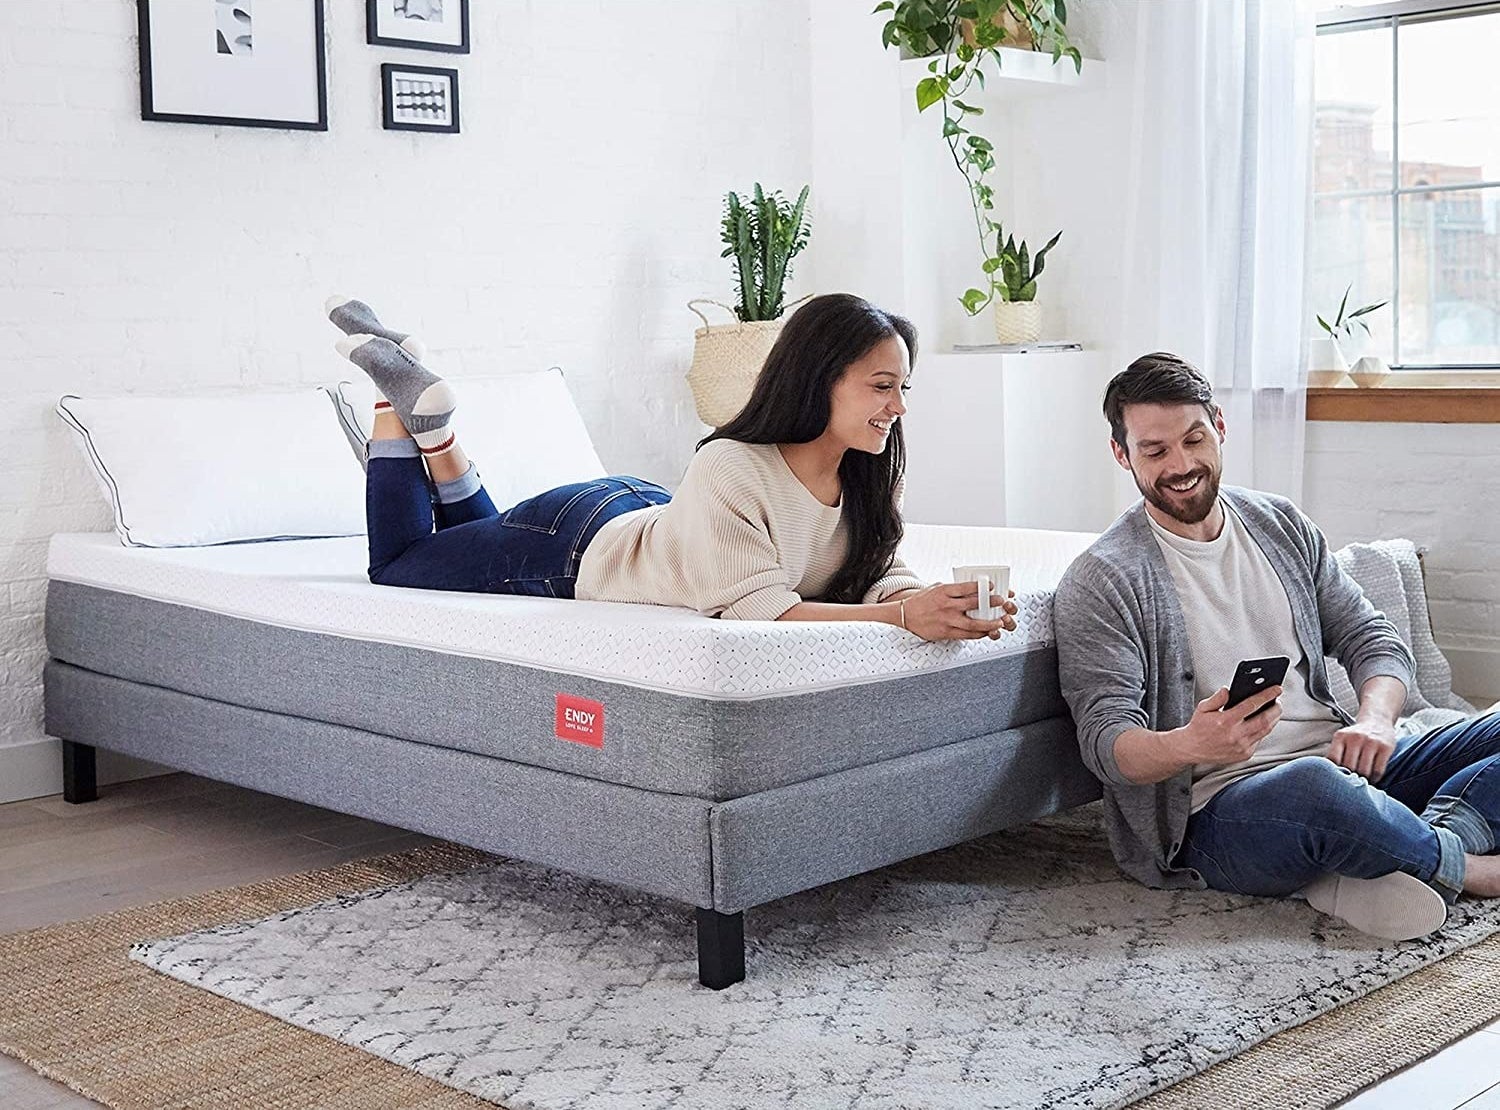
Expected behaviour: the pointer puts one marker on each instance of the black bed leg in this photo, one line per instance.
(721, 948)
(78, 773)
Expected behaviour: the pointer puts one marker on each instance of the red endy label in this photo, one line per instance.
(580, 720)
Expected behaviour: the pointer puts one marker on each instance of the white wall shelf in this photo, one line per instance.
(939, 253)
(1023, 74)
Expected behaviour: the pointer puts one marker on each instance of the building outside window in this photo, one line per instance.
(1406, 178)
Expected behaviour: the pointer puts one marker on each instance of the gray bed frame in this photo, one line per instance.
(722, 855)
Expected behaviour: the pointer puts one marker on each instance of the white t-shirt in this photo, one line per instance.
(1236, 608)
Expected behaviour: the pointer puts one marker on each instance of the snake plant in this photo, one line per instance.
(1018, 270)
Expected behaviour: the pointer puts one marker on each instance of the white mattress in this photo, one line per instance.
(321, 586)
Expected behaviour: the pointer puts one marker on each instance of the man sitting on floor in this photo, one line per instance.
(1384, 832)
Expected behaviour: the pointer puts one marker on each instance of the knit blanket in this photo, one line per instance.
(1391, 575)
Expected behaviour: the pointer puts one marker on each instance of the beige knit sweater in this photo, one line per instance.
(742, 538)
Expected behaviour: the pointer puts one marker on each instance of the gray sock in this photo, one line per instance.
(422, 400)
(357, 318)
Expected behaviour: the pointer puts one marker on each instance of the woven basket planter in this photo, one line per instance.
(1018, 321)
(727, 359)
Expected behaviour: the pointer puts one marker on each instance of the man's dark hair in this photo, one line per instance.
(1160, 378)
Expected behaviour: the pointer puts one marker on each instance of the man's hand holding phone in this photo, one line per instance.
(1225, 728)
(1229, 726)
(1223, 733)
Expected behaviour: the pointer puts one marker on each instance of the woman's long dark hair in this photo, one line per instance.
(792, 402)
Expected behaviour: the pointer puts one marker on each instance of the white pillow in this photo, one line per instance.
(522, 431)
(191, 471)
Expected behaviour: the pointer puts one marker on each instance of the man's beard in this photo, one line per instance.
(1188, 510)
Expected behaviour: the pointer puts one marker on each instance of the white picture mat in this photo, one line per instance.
(450, 32)
(445, 120)
(278, 80)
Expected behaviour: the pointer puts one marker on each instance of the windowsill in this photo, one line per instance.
(1412, 397)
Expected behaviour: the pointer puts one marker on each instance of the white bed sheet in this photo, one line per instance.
(320, 586)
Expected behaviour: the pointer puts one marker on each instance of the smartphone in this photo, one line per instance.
(1254, 675)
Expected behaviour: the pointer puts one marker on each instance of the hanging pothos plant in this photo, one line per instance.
(962, 36)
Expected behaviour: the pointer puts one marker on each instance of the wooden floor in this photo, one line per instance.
(159, 838)
(149, 840)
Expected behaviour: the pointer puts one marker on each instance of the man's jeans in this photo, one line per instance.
(1274, 832)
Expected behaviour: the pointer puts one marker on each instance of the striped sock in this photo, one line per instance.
(355, 317)
(436, 439)
(422, 400)
(441, 439)
(402, 447)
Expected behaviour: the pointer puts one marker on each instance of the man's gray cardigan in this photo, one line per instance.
(1124, 661)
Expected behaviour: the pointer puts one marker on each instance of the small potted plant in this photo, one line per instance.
(1337, 351)
(762, 236)
(1012, 269)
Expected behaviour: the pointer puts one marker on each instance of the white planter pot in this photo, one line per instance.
(1018, 321)
(1369, 372)
(1323, 354)
(1327, 379)
(1328, 364)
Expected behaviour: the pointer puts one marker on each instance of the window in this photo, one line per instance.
(1406, 178)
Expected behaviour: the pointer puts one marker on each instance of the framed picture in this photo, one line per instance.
(240, 63)
(419, 98)
(418, 24)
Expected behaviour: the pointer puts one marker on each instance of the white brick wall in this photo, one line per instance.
(1438, 485)
(568, 223)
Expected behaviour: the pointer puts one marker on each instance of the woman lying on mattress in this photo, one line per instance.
(797, 497)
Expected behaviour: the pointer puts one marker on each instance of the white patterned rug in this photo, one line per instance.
(1017, 971)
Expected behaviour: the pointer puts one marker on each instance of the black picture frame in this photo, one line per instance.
(148, 98)
(389, 72)
(375, 38)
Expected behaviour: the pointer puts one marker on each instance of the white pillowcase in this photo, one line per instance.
(192, 471)
(522, 431)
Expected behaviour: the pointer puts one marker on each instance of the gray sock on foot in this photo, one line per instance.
(357, 318)
(422, 400)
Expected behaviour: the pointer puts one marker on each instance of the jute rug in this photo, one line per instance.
(77, 1008)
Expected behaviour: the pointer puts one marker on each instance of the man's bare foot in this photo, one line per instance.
(1482, 876)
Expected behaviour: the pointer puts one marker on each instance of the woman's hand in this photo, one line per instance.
(941, 613)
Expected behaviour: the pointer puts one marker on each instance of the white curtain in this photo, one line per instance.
(1218, 205)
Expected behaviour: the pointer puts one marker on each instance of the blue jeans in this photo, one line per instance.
(1272, 833)
(533, 548)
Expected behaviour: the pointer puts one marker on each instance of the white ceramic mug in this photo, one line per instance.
(990, 580)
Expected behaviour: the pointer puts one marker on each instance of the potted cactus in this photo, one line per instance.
(763, 236)
(1013, 270)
